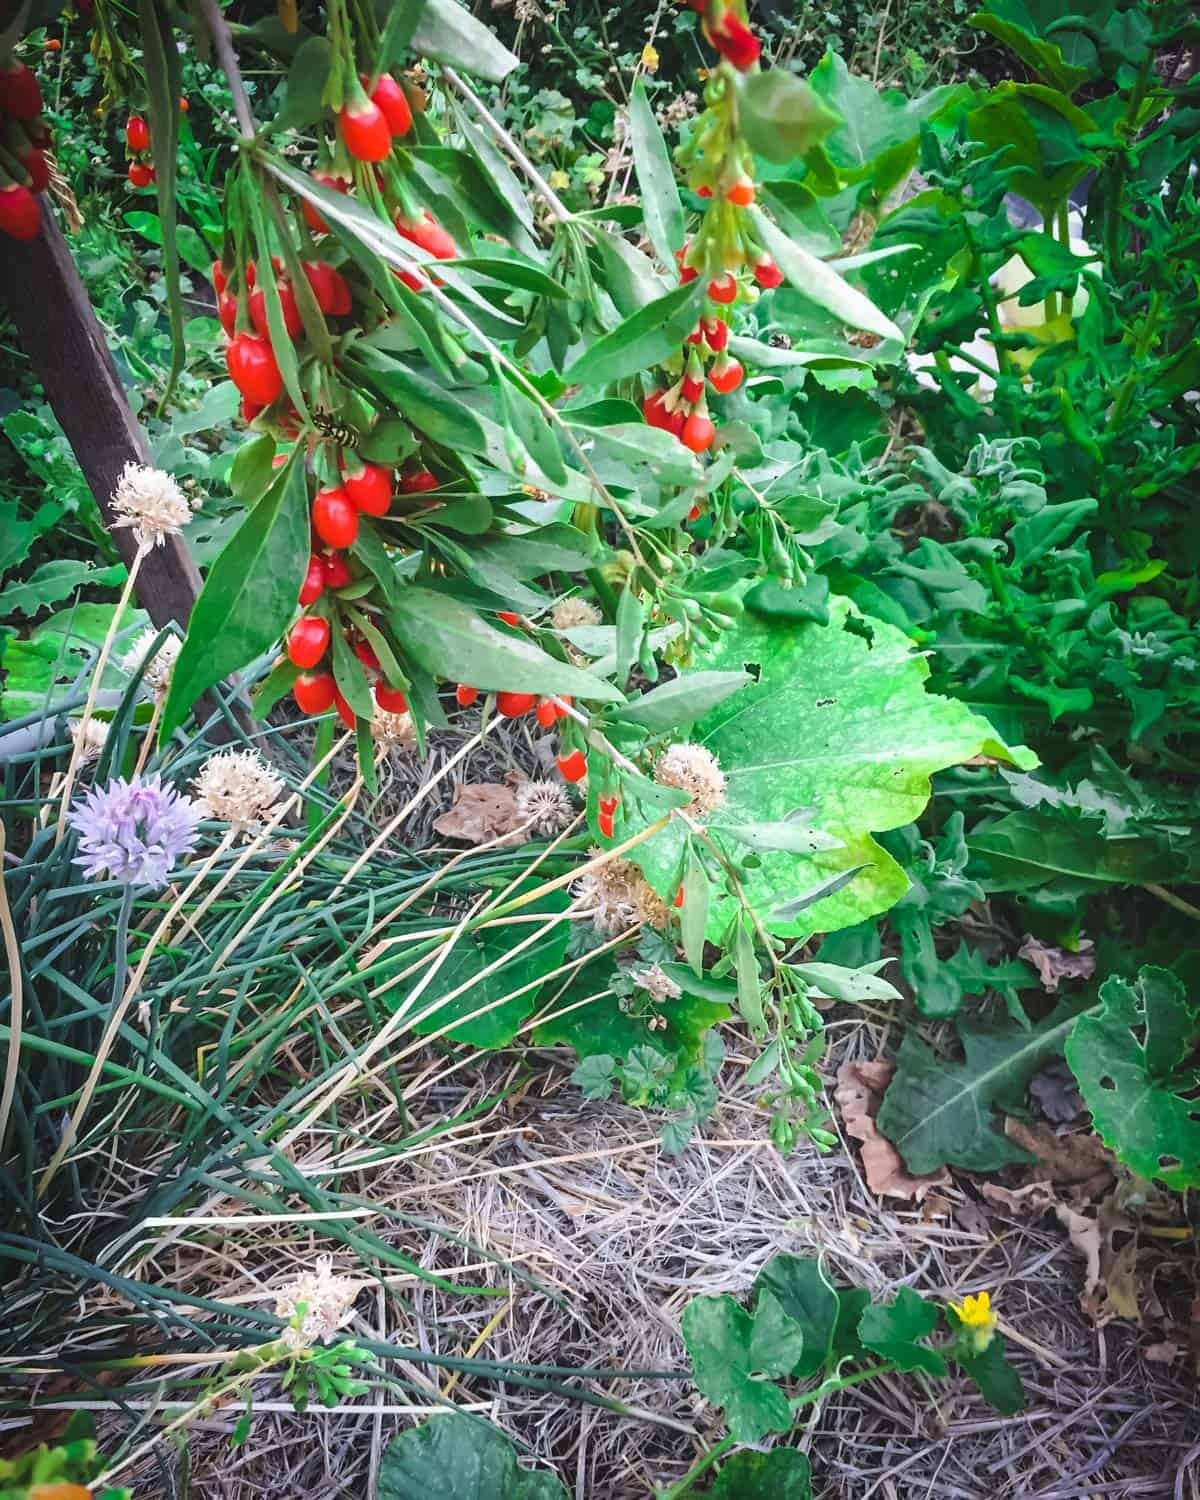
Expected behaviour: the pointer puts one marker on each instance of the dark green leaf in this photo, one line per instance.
(643, 340)
(459, 1457)
(719, 1335)
(1134, 1057)
(896, 1330)
(781, 117)
(249, 596)
(782, 1474)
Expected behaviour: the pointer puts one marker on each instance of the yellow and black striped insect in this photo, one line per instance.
(333, 427)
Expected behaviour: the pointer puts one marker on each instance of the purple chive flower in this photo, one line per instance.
(134, 831)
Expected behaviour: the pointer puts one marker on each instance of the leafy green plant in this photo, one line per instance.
(799, 1326)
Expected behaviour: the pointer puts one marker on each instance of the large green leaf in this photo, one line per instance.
(656, 177)
(54, 581)
(249, 596)
(483, 1014)
(729, 1348)
(1041, 133)
(898, 1331)
(451, 641)
(782, 1474)
(641, 341)
(459, 1457)
(1024, 850)
(821, 284)
(805, 1294)
(937, 1112)
(835, 724)
(1065, 59)
(877, 138)
(1135, 1059)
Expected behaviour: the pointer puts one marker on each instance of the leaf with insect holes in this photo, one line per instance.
(730, 1348)
(1134, 1058)
(249, 596)
(462, 1458)
(832, 723)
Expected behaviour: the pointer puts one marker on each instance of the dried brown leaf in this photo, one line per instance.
(859, 1092)
(1162, 1354)
(483, 811)
(1056, 964)
(1078, 1160)
(1028, 1202)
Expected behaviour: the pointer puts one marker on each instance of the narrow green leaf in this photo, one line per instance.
(643, 340)
(160, 58)
(249, 596)
(821, 284)
(682, 701)
(745, 960)
(656, 178)
(451, 641)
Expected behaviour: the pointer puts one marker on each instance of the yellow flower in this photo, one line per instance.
(977, 1320)
(650, 58)
(559, 180)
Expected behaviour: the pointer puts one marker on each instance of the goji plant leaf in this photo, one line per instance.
(719, 1334)
(249, 596)
(896, 1330)
(656, 177)
(457, 1455)
(999, 1383)
(821, 284)
(835, 724)
(937, 1112)
(1135, 1059)
(451, 641)
(645, 339)
(446, 32)
(782, 1474)
(682, 701)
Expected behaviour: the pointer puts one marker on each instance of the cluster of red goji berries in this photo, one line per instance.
(24, 142)
(725, 250)
(137, 147)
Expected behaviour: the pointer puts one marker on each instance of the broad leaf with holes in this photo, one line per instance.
(937, 1112)
(834, 723)
(1136, 1060)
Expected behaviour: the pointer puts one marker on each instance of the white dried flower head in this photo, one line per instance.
(544, 806)
(694, 770)
(156, 679)
(239, 788)
(393, 731)
(657, 983)
(327, 1299)
(88, 737)
(151, 503)
(681, 107)
(526, 11)
(617, 896)
(574, 610)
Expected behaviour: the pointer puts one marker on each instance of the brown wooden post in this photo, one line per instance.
(65, 343)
